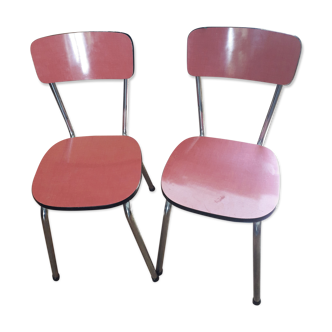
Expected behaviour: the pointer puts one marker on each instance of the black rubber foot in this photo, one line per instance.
(155, 279)
(159, 273)
(256, 303)
(152, 189)
(56, 278)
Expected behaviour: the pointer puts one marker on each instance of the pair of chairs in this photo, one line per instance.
(218, 178)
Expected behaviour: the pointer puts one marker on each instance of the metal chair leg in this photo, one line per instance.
(140, 241)
(163, 238)
(49, 243)
(147, 178)
(257, 262)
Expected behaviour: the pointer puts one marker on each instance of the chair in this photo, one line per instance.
(95, 172)
(220, 178)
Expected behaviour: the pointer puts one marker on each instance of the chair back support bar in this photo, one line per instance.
(83, 56)
(269, 114)
(267, 119)
(125, 107)
(62, 109)
(200, 105)
(66, 117)
(243, 53)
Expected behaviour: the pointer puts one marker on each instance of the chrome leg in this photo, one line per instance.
(49, 243)
(163, 238)
(140, 241)
(147, 178)
(257, 262)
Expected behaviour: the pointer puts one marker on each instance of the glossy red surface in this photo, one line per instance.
(88, 172)
(244, 53)
(83, 56)
(222, 178)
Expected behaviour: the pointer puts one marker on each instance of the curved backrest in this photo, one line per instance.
(83, 56)
(244, 53)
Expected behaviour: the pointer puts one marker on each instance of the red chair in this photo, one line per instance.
(95, 172)
(220, 178)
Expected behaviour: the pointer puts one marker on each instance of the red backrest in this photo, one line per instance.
(245, 53)
(83, 56)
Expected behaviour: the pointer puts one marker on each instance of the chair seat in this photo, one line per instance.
(222, 179)
(85, 173)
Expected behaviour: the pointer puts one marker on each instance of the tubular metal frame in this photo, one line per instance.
(256, 258)
(44, 219)
(269, 114)
(139, 240)
(165, 219)
(125, 107)
(62, 108)
(257, 226)
(200, 105)
(128, 213)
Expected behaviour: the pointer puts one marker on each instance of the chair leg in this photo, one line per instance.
(49, 243)
(257, 262)
(163, 238)
(147, 178)
(140, 241)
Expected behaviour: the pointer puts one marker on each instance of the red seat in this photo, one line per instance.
(225, 179)
(222, 179)
(86, 173)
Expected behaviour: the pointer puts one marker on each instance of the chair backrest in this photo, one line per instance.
(83, 56)
(244, 53)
